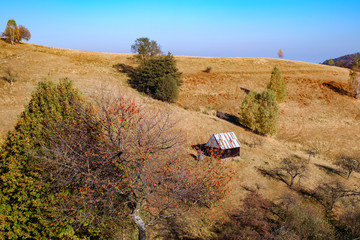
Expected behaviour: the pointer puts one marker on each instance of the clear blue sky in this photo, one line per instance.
(306, 30)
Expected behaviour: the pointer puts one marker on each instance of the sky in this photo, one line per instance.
(310, 31)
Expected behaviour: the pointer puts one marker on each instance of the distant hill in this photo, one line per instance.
(343, 61)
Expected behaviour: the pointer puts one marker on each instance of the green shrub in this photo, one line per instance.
(28, 204)
(156, 76)
(166, 89)
(277, 85)
(259, 112)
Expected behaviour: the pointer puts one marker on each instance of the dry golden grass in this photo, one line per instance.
(312, 115)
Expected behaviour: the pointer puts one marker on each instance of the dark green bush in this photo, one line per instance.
(166, 89)
(151, 78)
(29, 206)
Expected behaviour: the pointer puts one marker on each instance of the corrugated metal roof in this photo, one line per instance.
(224, 141)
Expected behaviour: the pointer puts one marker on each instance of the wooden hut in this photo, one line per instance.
(224, 144)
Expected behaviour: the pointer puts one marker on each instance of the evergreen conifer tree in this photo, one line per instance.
(277, 85)
(27, 202)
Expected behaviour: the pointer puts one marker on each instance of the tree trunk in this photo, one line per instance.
(291, 182)
(140, 224)
(348, 177)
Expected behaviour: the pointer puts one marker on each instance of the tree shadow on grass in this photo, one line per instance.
(235, 120)
(306, 193)
(245, 90)
(176, 228)
(328, 170)
(272, 174)
(337, 87)
(123, 68)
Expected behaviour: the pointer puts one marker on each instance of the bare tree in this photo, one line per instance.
(348, 163)
(311, 152)
(10, 76)
(293, 167)
(329, 193)
(118, 160)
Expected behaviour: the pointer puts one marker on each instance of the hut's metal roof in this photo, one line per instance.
(224, 141)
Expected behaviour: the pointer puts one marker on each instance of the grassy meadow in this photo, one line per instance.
(313, 115)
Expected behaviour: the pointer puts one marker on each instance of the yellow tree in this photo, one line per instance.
(11, 32)
(354, 78)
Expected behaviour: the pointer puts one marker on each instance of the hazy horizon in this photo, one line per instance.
(311, 31)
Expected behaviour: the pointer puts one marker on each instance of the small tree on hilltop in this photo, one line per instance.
(11, 32)
(331, 62)
(277, 84)
(158, 77)
(280, 53)
(145, 49)
(259, 112)
(24, 33)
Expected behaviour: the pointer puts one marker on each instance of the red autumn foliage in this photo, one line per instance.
(119, 161)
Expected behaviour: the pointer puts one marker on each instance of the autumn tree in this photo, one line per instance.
(24, 33)
(354, 78)
(116, 160)
(331, 62)
(277, 85)
(159, 77)
(11, 32)
(145, 49)
(280, 53)
(259, 112)
(349, 164)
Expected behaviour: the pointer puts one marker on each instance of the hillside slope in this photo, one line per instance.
(343, 61)
(313, 115)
